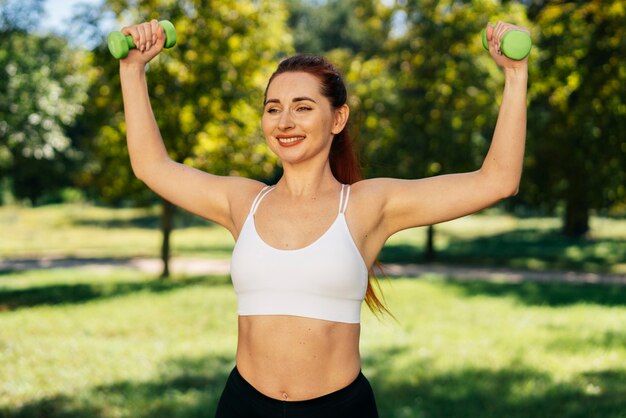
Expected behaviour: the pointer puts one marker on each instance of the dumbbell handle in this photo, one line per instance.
(119, 44)
(515, 44)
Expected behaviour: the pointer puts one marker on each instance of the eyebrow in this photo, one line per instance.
(295, 99)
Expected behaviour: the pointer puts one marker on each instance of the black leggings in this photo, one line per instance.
(241, 400)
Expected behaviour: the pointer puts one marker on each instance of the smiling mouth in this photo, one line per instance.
(290, 140)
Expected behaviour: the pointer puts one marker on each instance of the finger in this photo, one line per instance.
(148, 31)
(489, 31)
(141, 30)
(132, 31)
(496, 39)
(501, 29)
(490, 34)
(156, 30)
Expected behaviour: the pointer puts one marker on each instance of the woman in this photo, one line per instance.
(304, 246)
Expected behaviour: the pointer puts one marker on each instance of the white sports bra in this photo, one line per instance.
(324, 280)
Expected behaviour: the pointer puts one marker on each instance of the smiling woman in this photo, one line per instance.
(305, 245)
(291, 120)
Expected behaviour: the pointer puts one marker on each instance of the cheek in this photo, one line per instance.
(265, 125)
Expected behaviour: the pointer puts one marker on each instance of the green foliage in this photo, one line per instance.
(446, 86)
(359, 26)
(42, 91)
(206, 92)
(577, 147)
(423, 93)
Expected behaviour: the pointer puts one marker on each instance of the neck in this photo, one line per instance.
(306, 179)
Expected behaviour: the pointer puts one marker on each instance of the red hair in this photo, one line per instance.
(344, 161)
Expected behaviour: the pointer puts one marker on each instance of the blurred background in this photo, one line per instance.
(114, 303)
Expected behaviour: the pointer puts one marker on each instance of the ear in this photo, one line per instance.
(342, 114)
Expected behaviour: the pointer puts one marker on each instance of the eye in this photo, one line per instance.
(272, 110)
(303, 108)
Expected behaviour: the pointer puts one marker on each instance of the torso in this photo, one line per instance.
(290, 357)
(293, 358)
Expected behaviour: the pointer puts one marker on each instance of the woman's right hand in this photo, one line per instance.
(149, 38)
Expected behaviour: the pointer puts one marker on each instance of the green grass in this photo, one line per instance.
(114, 342)
(482, 239)
(508, 241)
(117, 343)
(88, 231)
(128, 345)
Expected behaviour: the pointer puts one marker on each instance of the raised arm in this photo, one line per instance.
(204, 194)
(410, 203)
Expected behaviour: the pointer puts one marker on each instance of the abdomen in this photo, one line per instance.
(301, 358)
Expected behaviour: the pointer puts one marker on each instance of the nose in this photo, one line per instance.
(286, 121)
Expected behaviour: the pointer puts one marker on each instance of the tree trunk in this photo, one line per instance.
(167, 216)
(429, 254)
(576, 222)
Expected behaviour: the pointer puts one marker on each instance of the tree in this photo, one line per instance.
(446, 86)
(41, 94)
(359, 26)
(206, 93)
(579, 110)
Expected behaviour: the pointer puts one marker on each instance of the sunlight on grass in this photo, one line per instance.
(85, 231)
(134, 346)
(458, 352)
(507, 241)
(485, 239)
(142, 336)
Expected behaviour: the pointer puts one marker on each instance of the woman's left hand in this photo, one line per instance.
(494, 40)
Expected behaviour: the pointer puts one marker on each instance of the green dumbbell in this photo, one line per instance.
(515, 44)
(120, 44)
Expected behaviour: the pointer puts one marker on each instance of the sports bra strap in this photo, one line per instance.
(259, 197)
(343, 202)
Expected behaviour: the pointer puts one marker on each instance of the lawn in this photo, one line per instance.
(116, 343)
(486, 239)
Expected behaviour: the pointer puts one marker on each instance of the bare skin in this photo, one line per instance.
(292, 358)
(287, 357)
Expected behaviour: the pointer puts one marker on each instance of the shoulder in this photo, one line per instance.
(244, 192)
(368, 197)
(373, 191)
(376, 200)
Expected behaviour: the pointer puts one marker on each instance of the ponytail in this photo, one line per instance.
(345, 166)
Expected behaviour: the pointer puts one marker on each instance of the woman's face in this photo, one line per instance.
(298, 121)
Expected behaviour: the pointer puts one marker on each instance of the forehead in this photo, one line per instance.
(294, 84)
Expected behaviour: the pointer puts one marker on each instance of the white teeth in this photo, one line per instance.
(290, 140)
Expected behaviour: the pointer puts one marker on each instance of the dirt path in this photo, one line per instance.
(213, 266)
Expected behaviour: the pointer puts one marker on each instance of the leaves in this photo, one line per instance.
(578, 109)
(42, 92)
(423, 93)
(206, 92)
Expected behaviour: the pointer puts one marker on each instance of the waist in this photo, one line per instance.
(294, 358)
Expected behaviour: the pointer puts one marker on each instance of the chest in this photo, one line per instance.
(294, 226)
